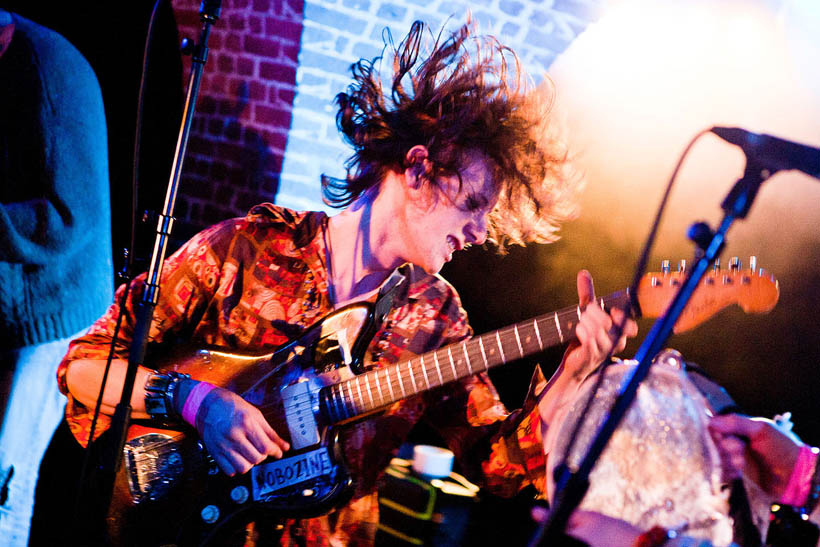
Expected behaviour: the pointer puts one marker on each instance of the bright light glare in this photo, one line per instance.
(637, 85)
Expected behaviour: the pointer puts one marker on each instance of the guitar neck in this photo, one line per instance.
(384, 386)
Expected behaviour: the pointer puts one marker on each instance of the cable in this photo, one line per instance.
(127, 269)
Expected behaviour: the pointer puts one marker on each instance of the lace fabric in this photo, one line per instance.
(661, 467)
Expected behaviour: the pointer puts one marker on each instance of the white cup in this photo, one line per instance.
(432, 461)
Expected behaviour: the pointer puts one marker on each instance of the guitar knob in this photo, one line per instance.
(239, 495)
(734, 264)
(209, 514)
(682, 266)
(753, 263)
(717, 265)
(665, 266)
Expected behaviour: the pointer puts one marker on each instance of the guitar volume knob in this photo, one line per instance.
(734, 264)
(753, 263)
(209, 514)
(239, 495)
(666, 266)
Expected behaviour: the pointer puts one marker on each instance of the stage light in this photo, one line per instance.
(644, 79)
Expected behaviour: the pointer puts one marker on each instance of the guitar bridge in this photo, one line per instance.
(153, 464)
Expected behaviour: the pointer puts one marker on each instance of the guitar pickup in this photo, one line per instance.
(301, 421)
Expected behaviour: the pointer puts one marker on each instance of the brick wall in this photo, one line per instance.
(265, 127)
(240, 130)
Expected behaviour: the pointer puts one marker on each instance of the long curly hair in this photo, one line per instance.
(468, 93)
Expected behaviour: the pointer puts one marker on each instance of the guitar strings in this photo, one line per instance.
(503, 338)
(421, 373)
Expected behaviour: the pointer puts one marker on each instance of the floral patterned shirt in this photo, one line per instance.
(255, 283)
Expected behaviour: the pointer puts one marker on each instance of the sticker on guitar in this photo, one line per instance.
(278, 474)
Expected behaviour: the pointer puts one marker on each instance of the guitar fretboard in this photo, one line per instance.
(378, 388)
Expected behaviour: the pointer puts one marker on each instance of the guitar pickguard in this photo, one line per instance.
(154, 464)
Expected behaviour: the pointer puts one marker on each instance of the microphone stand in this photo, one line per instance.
(120, 421)
(572, 486)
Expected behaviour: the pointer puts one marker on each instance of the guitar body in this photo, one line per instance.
(170, 491)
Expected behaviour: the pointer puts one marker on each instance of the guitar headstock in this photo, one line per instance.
(754, 290)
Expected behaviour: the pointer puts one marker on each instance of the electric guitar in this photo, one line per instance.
(169, 490)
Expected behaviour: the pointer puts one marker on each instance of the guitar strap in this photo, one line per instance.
(383, 305)
(384, 302)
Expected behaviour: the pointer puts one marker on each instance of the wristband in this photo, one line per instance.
(160, 392)
(654, 537)
(194, 401)
(799, 487)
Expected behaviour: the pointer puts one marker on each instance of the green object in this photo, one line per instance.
(416, 511)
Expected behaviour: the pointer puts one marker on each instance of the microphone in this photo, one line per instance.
(773, 153)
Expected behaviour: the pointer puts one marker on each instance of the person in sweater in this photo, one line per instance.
(56, 273)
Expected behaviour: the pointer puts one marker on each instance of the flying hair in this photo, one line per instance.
(455, 94)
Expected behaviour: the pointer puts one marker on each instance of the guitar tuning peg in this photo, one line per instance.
(717, 265)
(753, 263)
(666, 266)
(682, 266)
(734, 264)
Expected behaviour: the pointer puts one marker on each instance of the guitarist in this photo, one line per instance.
(457, 151)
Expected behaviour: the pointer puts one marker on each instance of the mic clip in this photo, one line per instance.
(740, 198)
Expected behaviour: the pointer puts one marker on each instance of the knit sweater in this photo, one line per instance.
(55, 220)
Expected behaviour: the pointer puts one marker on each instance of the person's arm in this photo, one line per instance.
(595, 341)
(235, 432)
(777, 461)
(495, 448)
(83, 378)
